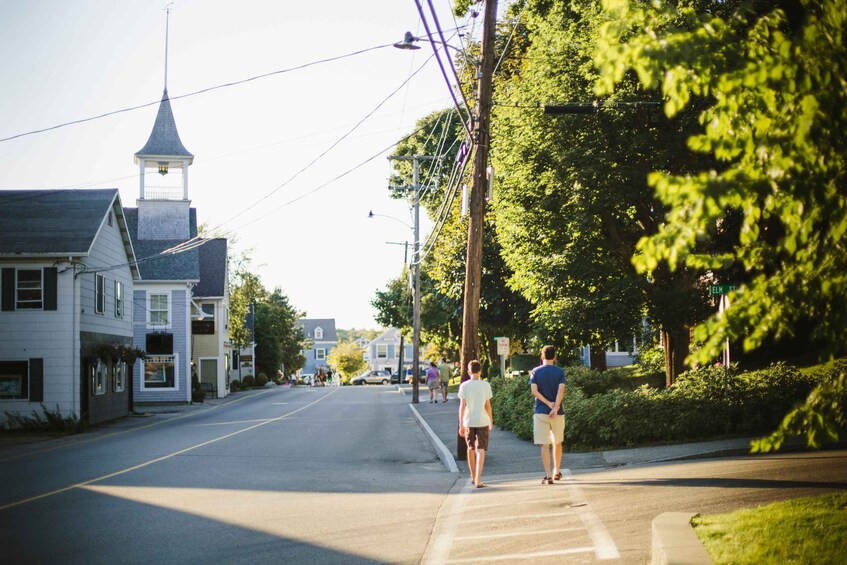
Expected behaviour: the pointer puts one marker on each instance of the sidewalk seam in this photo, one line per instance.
(440, 449)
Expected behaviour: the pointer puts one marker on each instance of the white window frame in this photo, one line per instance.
(167, 310)
(120, 377)
(101, 378)
(99, 294)
(319, 333)
(159, 359)
(379, 353)
(320, 353)
(19, 288)
(207, 316)
(119, 299)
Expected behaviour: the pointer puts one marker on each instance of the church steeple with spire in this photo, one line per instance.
(163, 163)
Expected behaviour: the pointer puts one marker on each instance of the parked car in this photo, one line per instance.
(371, 378)
(421, 374)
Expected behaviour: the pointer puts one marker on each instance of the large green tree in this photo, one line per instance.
(278, 336)
(572, 199)
(774, 74)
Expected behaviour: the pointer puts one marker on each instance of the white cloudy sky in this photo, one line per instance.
(66, 61)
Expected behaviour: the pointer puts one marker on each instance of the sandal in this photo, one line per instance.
(481, 485)
(546, 481)
(557, 476)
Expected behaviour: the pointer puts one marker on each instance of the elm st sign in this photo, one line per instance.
(719, 289)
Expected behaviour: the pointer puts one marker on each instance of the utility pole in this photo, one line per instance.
(416, 271)
(476, 215)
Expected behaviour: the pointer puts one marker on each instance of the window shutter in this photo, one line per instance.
(8, 289)
(36, 380)
(50, 274)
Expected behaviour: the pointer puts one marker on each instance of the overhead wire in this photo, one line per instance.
(330, 148)
(196, 92)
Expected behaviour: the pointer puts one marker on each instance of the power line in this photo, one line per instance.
(201, 91)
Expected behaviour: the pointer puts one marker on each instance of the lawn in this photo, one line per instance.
(804, 530)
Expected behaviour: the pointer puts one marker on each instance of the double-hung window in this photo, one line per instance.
(159, 310)
(29, 289)
(119, 299)
(320, 353)
(99, 294)
(382, 351)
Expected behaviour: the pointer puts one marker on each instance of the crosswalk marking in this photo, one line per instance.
(484, 525)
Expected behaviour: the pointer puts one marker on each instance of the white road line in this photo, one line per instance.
(162, 458)
(523, 501)
(513, 534)
(516, 556)
(519, 517)
(605, 547)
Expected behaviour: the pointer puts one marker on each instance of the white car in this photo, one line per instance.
(371, 378)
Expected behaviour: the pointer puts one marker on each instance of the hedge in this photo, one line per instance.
(703, 403)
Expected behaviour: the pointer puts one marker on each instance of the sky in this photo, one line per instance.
(306, 234)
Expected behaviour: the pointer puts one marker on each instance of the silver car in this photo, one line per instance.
(371, 378)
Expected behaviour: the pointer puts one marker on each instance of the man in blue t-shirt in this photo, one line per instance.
(547, 382)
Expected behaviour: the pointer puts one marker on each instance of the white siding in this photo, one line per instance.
(47, 335)
(107, 251)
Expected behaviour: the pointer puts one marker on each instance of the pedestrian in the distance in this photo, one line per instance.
(547, 382)
(446, 371)
(476, 419)
(433, 382)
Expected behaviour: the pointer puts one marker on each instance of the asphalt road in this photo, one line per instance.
(331, 475)
(289, 475)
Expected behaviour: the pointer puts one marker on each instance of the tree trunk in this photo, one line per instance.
(675, 342)
(597, 357)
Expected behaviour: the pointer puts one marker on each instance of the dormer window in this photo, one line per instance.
(319, 333)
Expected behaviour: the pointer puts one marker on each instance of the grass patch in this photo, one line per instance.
(805, 530)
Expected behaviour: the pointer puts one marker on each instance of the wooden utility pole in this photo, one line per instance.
(476, 213)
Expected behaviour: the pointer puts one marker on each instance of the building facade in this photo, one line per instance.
(66, 321)
(321, 336)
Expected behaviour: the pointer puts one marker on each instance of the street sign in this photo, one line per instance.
(718, 289)
(502, 345)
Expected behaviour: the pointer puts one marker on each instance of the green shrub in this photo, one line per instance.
(234, 386)
(650, 360)
(248, 381)
(262, 379)
(46, 421)
(703, 403)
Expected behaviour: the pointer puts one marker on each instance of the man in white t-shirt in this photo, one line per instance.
(476, 419)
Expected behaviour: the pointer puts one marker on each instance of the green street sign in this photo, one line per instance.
(718, 289)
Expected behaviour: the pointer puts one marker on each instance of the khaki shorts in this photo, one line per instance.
(434, 385)
(547, 431)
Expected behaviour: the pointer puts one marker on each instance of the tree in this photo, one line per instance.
(278, 336)
(572, 199)
(773, 74)
(348, 359)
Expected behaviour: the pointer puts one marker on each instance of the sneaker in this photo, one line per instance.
(436, 402)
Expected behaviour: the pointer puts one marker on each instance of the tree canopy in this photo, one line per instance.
(772, 79)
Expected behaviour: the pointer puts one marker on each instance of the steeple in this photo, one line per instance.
(163, 204)
(164, 140)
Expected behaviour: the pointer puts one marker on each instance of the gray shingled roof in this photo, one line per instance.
(212, 269)
(52, 222)
(164, 139)
(326, 324)
(180, 267)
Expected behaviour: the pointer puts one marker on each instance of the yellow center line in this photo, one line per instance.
(162, 458)
(113, 434)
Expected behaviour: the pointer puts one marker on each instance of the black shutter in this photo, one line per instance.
(50, 288)
(36, 380)
(8, 289)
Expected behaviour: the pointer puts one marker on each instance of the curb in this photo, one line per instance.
(674, 541)
(441, 449)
